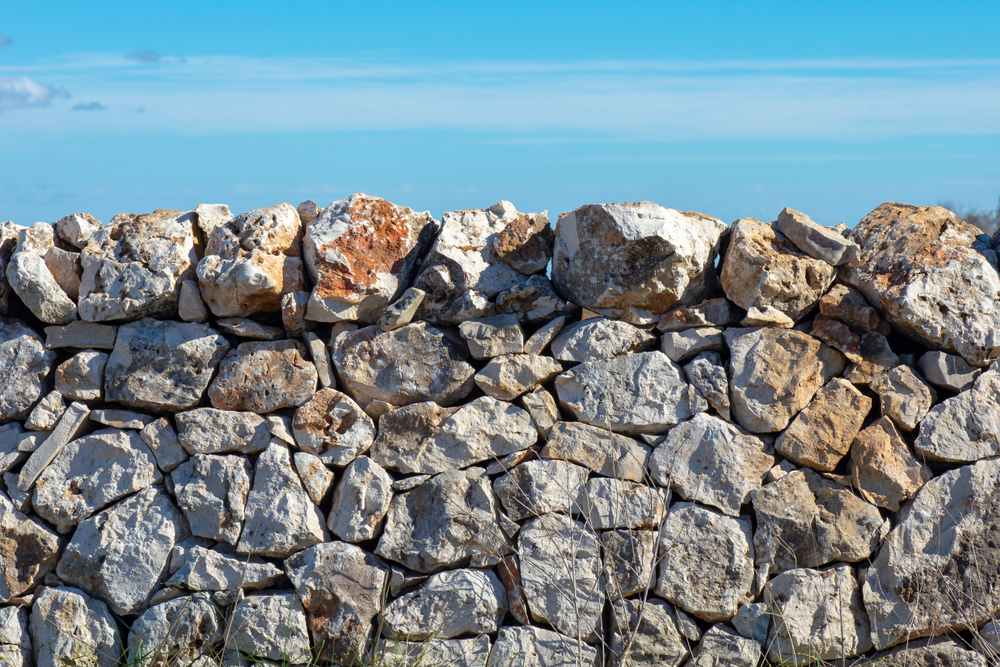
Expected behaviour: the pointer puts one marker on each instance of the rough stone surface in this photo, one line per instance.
(271, 626)
(822, 433)
(212, 491)
(247, 328)
(74, 420)
(883, 469)
(537, 647)
(46, 413)
(722, 646)
(645, 635)
(507, 377)
(70, 627)
(82, 335)
(707, 374)
(542, 406)
(947, 371)
(616, 503)
(202, 569)
(538, 341)
(262, 377)
(942, 652)
(333, 427)
(450, 652)
(447, 605)
(533, 301)
(493, 336)
(965, 427)
(630, 560)
(710, 313)
(211, 431)
(849, 306)
(15, 641)
(124, 419)
(77, 228)
(905, 398)
(29, 550)
(540, 487)
(360, 501)
(25, 365)
(683, 345)
(176, 632)
(753, 621)
(401, 311)
(80, 378)
(34, 284)
(816, 240)
(190, 306)
(600, 338)
(316, 478)
(602, 451)
(161, 438)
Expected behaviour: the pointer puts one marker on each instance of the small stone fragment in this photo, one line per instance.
(839, 336)
(126, 419)
(493, 336)
(905, 398)
(211, 431)
(293, 312)
(766, 316)
(964, 427)
(11, 454)
(190, 306)
(333, 427)
(46, 413)
(876, 358)
(320, 356)
(281, 428)
(247, 328)
(360, 501)
(883, 469)
(401, 311)
(81, 377)
(816, 240)
(822, 433)
(616, 503)
(264, 376)
(25, 366)
(683, 345)
(72, 422)
(270, 626)
(507, 377)
(600, 338)
(707, 374)
(545, 334)
(752, 621)
(711, 313)
(82, 335)
(630, 560)
(212, 491)
(160, 437)
(34, 284)
(538, 647)
(315, 476)
(722, 646)
(69, 627)
(447, 605)
(847, 305)
(210, 216)
(539, 487)
(533, 301)
(541, 405)
(948, 371)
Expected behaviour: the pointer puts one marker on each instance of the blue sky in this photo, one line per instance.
(732, 109)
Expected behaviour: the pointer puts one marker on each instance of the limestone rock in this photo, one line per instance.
(630, 560)
(362, 253)
(774, 373)
(544, 335)
(333, 427)
(315, 476)
(600, 338)
(710, 313)
(884, 470)
(190, 306)
(722, 646)
(940, 652)
(539, 487)
(535, 300)
(15, 642)
(293, 312)
(508, 376)
(11, 454)
(947, 371)
(176, 632)
(876, 358)
(211, 431)
(636, 393)
(493, 336)
(263, 377)
(134, 267)
(80, 378)
(683, 345)
(29, 551)
(76, 228)
(816, 240)
(360, 501)
(412, 364)
(451, 652)
(707, 374)
(538, 647)
(34, 284)
(645, 635)
(822, 433)
(160, 437)
(247, 328)
(905, 398)
(449, 604)
(124, 419)
(70, 425)
(541, 405)
(616, 503)
(82, 335)
(70, 627)
(753, 621)
(849, 306)
(635, 262)
(763, 268)
(271, 626)
(212, 491)
(818, 615)
(525, 244)
(204, 569)
(45, 415)
(965, 427)
(839, 336)
(25, 365)
(121, 554)
(65, 267)
(162, 365)
(767, 316)
(426, 438)
(710, 461)
(401, 311)
(210, 216)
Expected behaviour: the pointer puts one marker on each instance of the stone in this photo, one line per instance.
(630, 559)
(452, 652)
(883, 469)
(210, 216)
(545, 334)
(722, 646)
(707, 374)
(341, 588)
(134, 267)
(69, 627)
(541, 405)
(636, 393)
(683, 345)
(818, 615)
(905, 398)
(616, 503)
(839, 336)
(46, 413)
(81, 334)
(493, 336)
(816, 240)
(247, 328)
(508, 376)
(448, 521)
(538, 647)
(710, 461)
(80, 378)
(767, 316)
(805, 520)
(507, 463)
(281, 519)
(315, 476)
(706, 563)
(29, 551)
(212, 492)
(263, 377)
(90, 473)
(211, 431)
(11, 454)
(876, 358)
(447, 605)
(360, 501)
(635, 262)
(774, 373)
(190, 306)
(76, 229)
(124, 419)
(121, 554)
(252, 261)
(753, 621)
(272, 626)
(525, 244)
(281, 428)
(412, 364)
(33, 282)
(964, 427)
(426, 438)
(65, 267)
(645, 634)
(710, 313)
(25, 366)
(70, 425)
(539, 487)
(947, 371)
(600, 338)
(161, 365)
(362, 253)
(509, 571)
(204, 569)
(561, 574)
(940, 652)
(294, 307)
(535, 300)
(176, 632)
(400, 312)
(333, 427)
(822, 433)
(308, 211)
(849, 306)
(932, 276)
(320, 356)
(161, 438)
(15, 642)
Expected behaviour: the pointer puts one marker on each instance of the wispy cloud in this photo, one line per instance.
(5, 41)
(144, 56)
(21, 92)
(88, 106)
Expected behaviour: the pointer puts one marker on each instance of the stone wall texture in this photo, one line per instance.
(637, 436)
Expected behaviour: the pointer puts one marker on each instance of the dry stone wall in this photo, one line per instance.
(637, 437)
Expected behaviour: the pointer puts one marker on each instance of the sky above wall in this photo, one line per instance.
(732, 109)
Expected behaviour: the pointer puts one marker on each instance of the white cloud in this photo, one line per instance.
(20, 92)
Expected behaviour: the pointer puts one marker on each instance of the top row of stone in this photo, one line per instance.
(930, 274)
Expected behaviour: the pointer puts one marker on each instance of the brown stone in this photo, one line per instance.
(525, 244)
(849, 306)
(821, 435)
(262, 377)
(884, 470)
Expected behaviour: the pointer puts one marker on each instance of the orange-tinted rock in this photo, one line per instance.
(263, 377)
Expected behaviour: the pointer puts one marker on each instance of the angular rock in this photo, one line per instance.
(76, 228)
(839, 336)
(965, 427)
(451, 652)
(15, 642)
(636, 393)
(160, 437)
(360, 501)
(125, 419)
(753, 621)
(493, 336)
(947, 371)
(190, 306)
(70, 425)
(271, 626)
(333, 427)
(683, 345)
(707, 374)
(545, 334)
(616, 503)
(211, 431)
(80, 378)
(876, 358)
(645, 634)
(711, 313)
(816, 240)
(449, 604)
(34, 284)
(162, 365)
(262, 377)
(82, 335)
(630, 559)
(426, 438)
(293, 312)
(508, 376)
(46, 413)
(600, 338)
(533, 301)
(11, 436)
(25, 366)
(537, 647)
(710, 461)
(883, 469)
(847, 305)
(905, 398)
(401, 311)
(774, 373)
(767, 316)
(65, 267)
(541, 405)
(722, 646)
(525, 244)
(212, 491)
(176, 632)
(70, 627)
(247, 328)
(208, 570)
(822, 433)
(210, 216)
(540, 487)
(315, 476)
(940, 652)
(29, 551)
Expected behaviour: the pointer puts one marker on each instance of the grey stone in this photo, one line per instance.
(447, 605)
(683, 345)
(451, 652)
(964, 427)
(70, 627)
(320, 356)
(25, 366)
(81, 334)
(281, 428)
(333, 427)
(722, 646)
(600, 338)
(876, 358)
(124, 419)
(940, 652)
(948, 371)
(644, 634)
(29, 549)
(11, 453)
(752, 621)
(212, 491)
(76, 228)
(15, 642)
(70, 425)
(537, 647)
(161, 438)
(816, 240)
(508, 376)
(360, 501)
(263, 377)
(211, 431)
(535, 300)
(539, 487)
(401, 311)
(81, 377)
(204, 569)
(707, 374)
(46, 413)
(315, 476)
(210, 216)
(630, 559)
(493, 336)
(272, 626)
(538, 341)
(176, 632)
(294, 306)
(34, 284)
(616, 503)
(905, 398)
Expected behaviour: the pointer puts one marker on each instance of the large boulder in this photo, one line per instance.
(264, 376)
(25, 366)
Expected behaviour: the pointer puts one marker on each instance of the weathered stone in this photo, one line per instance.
(535, 300)
(493, 336)
(822, 433)
(541, 405)
(545, 334)
(707, 374)
(121, 554)
(847, 305)
(281, 519)
(426, 438)
(281, 428)
(766, 316)
(616, 503)
(34, 284)
(190, 306)
(76, 228)
(508, 376)
(818, 615)
(711, 313)
(360, 501)
(333, 427)
(81, 377)
(90, 473)
(263, 377)
(451, 652)
(449, 520)
(69, 627)
(876, 358)
(600, 338)
(408, 365)
(839, 336)
(204, 569)
(753, 621)
(539, 487)
(82, 335)
(212, 491)
(884, 470)
(15, 642)
(722, 646)
(29, 550)
(940, 652)
(708, 460)
(341, 588)
(315, 476)
(537, 647)
(930, 276)
(965, 427)
(25, 366)
(134, 267)
(774, 373)
(70, 425)
(11, 454)
(162, 365)
(805, 520)
(635, 262)
(401, 311)
(123, 419)
(66, 269)
(525, 244)
(211, 431)
(644, 634)
(449, 604)
(636, 393)
(46, 413)
(362, 253)
(176, 632)
(294, 306)
(683, 345)
(160, 437)
(905, 398)
(271, 626)
(247, 328)
(947, 371)
(630, 559)
(816, 240)
(561, 574)
(210, 216)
